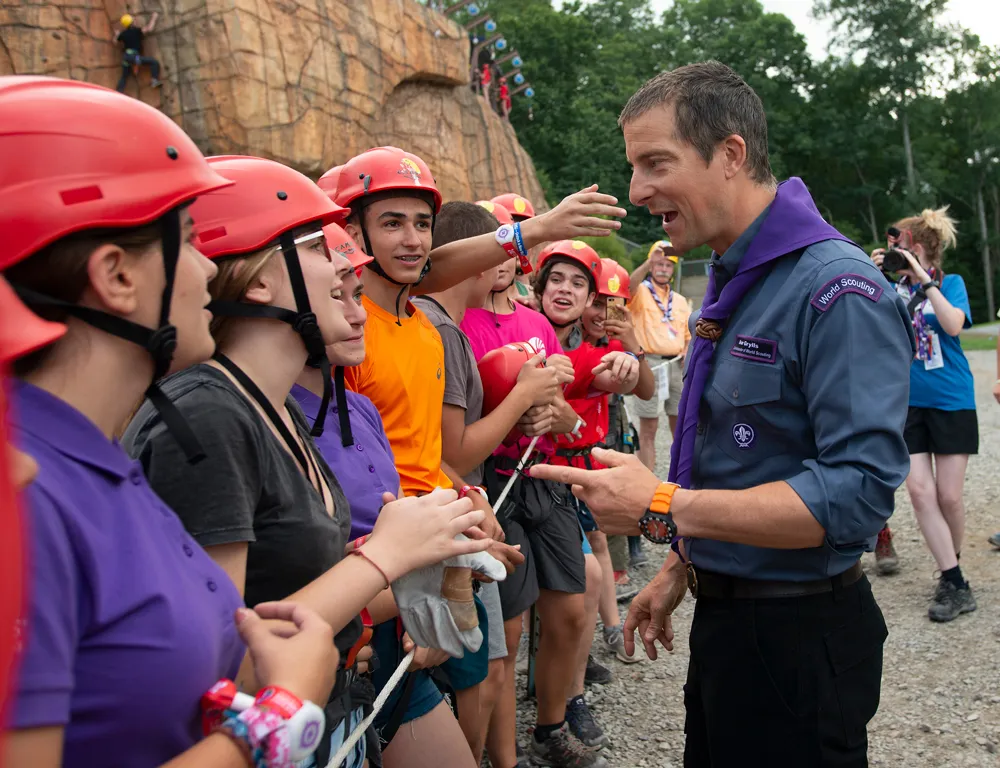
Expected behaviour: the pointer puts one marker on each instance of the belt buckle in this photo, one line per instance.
(692, 580)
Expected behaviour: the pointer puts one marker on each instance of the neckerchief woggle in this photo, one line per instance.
(792, 222)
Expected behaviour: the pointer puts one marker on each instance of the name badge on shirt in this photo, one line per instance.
(754, 348)
(937, 359)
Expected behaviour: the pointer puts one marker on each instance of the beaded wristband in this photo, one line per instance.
(262, 735)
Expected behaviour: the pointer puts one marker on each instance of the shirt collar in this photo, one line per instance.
(63, 428)
(730, 260)
(310, 403)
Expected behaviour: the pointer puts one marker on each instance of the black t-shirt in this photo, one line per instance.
(247, 488)
(131, 38)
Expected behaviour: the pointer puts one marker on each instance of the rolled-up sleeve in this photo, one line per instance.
(856, 352)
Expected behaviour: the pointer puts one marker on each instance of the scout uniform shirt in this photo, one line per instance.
(657, 336)
(809, 384)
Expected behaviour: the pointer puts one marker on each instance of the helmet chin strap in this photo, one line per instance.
(377, 268)
(302, 319)
(160, 342)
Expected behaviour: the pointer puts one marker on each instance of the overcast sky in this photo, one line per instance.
(981, 16)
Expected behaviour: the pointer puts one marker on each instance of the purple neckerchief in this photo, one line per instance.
(793, 222)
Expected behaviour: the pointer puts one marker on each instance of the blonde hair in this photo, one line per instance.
(934, 229)
(234, 279)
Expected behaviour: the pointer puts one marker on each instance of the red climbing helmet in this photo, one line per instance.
(21, 330)
(328, 181)
(266, 200)
(385, 169)
(575, 251)
(499, 369)
(520, 207)
(340, 242)
(266, 203)
(501, 214)
(77, 156)
(614, 280)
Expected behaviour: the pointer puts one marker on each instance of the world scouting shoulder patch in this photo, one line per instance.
(842, 285)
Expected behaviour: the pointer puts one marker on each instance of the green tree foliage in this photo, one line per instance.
(903, 114)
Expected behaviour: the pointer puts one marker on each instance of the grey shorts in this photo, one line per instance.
(490, 595)
(650, 409)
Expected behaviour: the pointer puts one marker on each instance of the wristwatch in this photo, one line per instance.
(641, 355)
(658, 525)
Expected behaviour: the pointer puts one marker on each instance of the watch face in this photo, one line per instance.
(656, 529)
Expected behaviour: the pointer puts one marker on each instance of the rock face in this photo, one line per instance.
(309, 83)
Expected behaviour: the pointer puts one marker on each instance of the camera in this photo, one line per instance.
(893, 260)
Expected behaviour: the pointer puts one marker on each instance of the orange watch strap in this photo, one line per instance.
(662, 497)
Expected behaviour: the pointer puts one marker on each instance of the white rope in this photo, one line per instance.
(510, 483)
(380, 700)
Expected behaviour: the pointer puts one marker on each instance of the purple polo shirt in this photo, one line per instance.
(129, 621)
(366, 469)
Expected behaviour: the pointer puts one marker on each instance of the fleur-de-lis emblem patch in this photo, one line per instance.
(744, 435)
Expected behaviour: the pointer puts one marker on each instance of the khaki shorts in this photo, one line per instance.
(650, 409)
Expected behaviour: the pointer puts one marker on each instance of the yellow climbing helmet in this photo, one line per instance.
(126, 20)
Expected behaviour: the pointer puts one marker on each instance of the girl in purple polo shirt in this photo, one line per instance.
(128, 622)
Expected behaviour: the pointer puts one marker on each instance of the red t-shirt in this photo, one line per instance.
(590, 404)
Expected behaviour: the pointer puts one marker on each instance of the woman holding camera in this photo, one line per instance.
(941, 426)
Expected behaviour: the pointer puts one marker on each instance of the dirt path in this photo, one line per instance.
(941, 683)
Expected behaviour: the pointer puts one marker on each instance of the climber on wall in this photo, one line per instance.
(131, 36)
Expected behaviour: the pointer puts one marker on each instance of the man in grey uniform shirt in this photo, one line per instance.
(789, 444)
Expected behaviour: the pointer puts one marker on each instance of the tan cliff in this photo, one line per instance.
(309, 83)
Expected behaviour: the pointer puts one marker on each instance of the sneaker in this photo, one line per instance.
(596, 674)
(886, 560)
(155, 83)
(951, 601)
(615, 641)
(995, 540)
(582, 724)
(625, 592)
(563, 750)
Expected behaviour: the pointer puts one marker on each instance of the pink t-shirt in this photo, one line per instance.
(487, 332)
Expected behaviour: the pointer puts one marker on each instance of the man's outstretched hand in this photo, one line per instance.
(577, 215)
(617, 496)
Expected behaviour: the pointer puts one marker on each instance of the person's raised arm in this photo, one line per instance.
(152, 23)
(638, 275)
(576, 216)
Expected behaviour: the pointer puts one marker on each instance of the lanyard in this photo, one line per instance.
(247, 383)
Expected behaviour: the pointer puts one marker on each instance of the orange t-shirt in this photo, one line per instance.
(403, 375)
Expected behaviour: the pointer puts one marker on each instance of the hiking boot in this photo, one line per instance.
(596, 674)
(951, 601)
(154, 83)
(636, 556)
(625, 592)
(615, 641)
(886, 560)
(995, 540)
(583, 725)
(563, 750)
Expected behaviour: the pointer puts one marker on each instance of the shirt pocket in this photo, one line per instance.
(746, 411)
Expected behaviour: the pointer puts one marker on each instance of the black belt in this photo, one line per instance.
(722, 587)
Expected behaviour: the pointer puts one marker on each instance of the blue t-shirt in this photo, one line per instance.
(948, 387)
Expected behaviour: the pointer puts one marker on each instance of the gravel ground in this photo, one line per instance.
(941, 683)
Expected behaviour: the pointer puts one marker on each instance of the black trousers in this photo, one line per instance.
(784, 683)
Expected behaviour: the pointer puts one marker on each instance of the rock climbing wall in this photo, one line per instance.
(309, 83)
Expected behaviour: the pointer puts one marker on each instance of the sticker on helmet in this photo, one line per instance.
(614, 284)
(520, 206)
(487, 205)
(579, 245)
(345, 248)
(409, 168)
